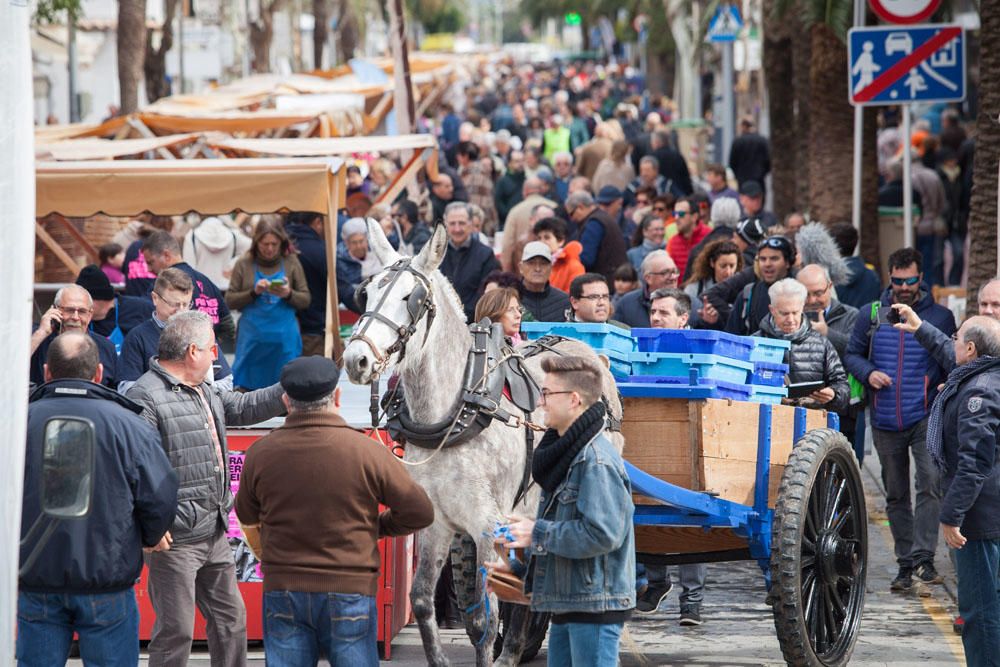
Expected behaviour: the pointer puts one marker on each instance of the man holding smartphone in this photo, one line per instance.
(901, 377)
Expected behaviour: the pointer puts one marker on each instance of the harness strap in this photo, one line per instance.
(529, 455)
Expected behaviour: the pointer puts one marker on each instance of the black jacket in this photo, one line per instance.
(746, 317)
(750, 158)
(633, 308)
(133, 501)
(840, 322)
(312, 255)
(812, 358)
(549, 305)
(466, 268)
(674, 168)
(971, 448)
(128, 313)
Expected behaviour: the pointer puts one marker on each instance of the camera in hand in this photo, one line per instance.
(893, 316)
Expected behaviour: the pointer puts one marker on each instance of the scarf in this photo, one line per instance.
(556, 452)
(935, 423)
(651, 246)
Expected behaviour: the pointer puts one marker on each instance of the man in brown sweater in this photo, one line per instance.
(310, 492)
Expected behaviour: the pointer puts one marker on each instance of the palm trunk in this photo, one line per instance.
(155, 64)
(801, 59)
(869, 188)
(831, 129)
(131, 49)
(983, 207)
(778, 75)
(320, 32)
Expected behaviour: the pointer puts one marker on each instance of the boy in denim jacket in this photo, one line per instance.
(581, 545)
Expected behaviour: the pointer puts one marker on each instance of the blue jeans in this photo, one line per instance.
(107, 623)
(584, 644)
(979, 600)
(298, 627)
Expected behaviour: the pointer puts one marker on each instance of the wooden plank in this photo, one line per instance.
(656, 409)
(729, 430)
(782, 432)
(56, 249)
(87, 246)
(685, 539)
(734, 480)
(815, 419)
(144, 131)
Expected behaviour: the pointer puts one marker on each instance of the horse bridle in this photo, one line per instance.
(418, 304)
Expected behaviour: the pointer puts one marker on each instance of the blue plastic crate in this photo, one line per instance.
(621, 367)
(704, 366)
(693, 341)
(767, 374)
(663, 388)
(763, 394)
(598, 336)
(770, 350)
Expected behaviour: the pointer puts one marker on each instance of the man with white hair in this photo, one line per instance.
(812, 357)
(194, 566)
(354, 260)
(72, 310)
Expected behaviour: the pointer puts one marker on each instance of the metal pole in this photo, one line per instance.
(74, 98)
(859, 133)
(17, 191)
(728, 108)
(907, 181)
(246, 32)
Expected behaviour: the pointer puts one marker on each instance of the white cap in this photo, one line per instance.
(536, 249)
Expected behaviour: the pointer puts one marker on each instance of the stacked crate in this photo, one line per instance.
(613, 342)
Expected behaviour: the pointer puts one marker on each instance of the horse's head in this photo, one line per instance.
(397, 303)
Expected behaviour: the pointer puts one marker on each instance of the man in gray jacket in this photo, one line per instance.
(191, 417)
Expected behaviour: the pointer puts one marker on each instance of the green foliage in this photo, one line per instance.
(48, 11)
(449, 19)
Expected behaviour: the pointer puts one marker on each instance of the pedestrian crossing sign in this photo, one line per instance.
(896, 64)
(725, 24)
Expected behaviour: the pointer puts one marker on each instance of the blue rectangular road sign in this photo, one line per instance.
(900, 64)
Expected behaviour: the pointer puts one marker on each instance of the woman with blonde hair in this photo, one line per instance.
(616, 169)
(502, 306)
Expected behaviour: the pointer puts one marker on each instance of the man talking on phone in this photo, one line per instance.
(901, 377)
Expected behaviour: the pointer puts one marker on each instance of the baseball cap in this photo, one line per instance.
(751, 189)
(536, 249)
(608, 194)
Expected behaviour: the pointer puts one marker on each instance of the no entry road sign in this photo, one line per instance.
(897, 65)
(904, 11)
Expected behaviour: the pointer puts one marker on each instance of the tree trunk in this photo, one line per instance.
(321, 15)
(801, 59)
(154, 66)
(686, 79)
(779, 78)
(348, 32)
(261, 34)
(983, 207)
(131, 49)
(831, 129)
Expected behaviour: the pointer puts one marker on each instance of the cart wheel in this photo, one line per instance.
(819, 552)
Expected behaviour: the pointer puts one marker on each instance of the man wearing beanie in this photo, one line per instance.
(310, 495)
(581, 549)
(114, 316)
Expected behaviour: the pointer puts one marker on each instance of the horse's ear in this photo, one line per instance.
(379, 244)
(432, 254)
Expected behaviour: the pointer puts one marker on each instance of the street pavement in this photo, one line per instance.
(897, 630)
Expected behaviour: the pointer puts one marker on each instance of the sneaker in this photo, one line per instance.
(927, 573)
(958, 625)
(903, 581)
(691, 615)
(652, 597)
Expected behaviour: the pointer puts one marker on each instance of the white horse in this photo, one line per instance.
(474, 484)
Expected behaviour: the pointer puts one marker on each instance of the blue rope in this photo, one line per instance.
(485, 603)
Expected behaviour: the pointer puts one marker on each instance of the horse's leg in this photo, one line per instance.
(433, 544)
(482, 618)
(515, 636)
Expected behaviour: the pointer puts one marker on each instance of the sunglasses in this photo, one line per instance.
(775, 242)
(911, 281)
(680, 214)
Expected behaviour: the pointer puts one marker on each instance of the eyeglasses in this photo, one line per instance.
(680, 214)
(666, 273)
(546, 393)
(596, 298)
(818, 294)
(176, 305)
(954, 336)
(74, 311)
(911, 281)
(214, 349)
(661, 209)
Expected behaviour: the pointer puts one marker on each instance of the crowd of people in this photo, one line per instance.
(564, 198)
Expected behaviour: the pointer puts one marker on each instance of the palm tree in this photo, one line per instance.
(131, 51)
(983, 207)
(779, 47)
(155, 64)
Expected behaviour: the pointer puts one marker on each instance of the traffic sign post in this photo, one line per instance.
(724, 27)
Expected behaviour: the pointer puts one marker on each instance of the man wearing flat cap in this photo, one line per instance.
(310, 495)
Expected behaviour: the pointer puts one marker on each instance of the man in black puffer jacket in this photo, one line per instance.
(812, 357)
(83, 577)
